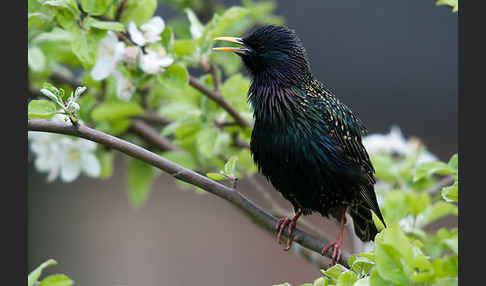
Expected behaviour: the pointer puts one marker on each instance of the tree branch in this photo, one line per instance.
(152, 118)
(257, 214)
(219, 99)
(444, 182)
(150, 135)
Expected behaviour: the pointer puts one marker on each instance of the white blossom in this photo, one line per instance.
(63, 156)
(78, 156)
(46, 147)
(110, 52)
(130, 55)
(148, 33)
(395, 143)
(124, 88)
(155, 62)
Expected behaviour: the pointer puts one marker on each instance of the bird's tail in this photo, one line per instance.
(364, 227)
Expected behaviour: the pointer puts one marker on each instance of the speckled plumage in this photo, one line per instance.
(305, 141)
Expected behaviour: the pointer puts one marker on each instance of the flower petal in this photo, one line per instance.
(90, 164)
(124, 88)
(152, 29)
(136, 36)
(165, 61)
(103, 68)
(70, 171)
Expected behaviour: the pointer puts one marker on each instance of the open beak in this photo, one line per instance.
(244, 50)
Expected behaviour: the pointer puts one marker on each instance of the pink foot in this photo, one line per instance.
(282, 224)
(336, 253)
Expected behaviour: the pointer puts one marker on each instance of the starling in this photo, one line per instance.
(305, 141)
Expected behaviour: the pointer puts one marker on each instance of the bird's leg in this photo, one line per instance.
(282, 223)
(336, 253)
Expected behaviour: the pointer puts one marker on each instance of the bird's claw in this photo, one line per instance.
(281, 225)
(336, 253)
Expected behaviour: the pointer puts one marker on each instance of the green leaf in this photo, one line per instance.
(104, 25)
(235, 89)
(56, 280)
(41, 109)
(196, 26)
(333, 272)
(428, 169)
(452, 243)
(167, 38)
(182, 158)
(96, 7)
(394, 255)
(228, 61)
(219, 24)
(139, 11)
(418, 202)
(446, 266)
(184, 48)
(396, 206)
(363, 282)
(384, 167)
(39, 20)
(85, 47)
(389, 266)
(139, 179)
(36, 273)
(377, 280)
(206, 139)
(229, 167)
(175, 77)
(216, 176)
(436, 211)
(283, 284)
(348, 278)
(321, 281)
(116, 110)
(70, 5)
(361, 264)
(453, 3)
(106, 162)
(454, 161)
(450, 193)
(36, 58)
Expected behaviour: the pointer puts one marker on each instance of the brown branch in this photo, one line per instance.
(444, 182)
(219, 99)
(214, 74)
(120, 9)
(152, 118)
(61, 79)
(238, 142)
(253, 211)
(144, 130)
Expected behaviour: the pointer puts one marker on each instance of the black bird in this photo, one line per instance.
(305, 141)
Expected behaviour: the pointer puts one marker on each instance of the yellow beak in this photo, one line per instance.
(238, 41)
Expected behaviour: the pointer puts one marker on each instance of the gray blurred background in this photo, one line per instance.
(393, 62)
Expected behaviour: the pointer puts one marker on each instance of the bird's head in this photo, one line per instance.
(270, 52)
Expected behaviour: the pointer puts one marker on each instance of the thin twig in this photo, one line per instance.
(444, 182)
(253, 211)
(219, 99)
(61, 79)
(152, 118)
(120, 10)
(214, 74)
(151, 136)
(238, 142)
